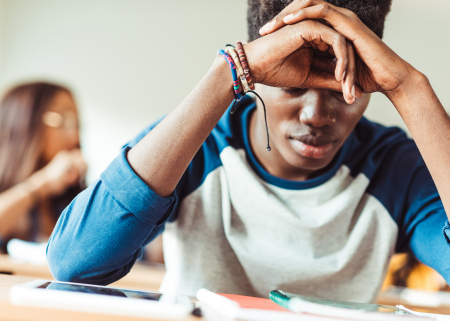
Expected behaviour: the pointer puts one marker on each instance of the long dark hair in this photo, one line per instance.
(21, 137)
(21, 130)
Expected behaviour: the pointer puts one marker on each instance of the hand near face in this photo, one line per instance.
(286, 59)
(63, 171)
(378, 68)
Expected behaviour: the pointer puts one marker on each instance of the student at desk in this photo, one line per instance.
(41, 166)
(321, 213)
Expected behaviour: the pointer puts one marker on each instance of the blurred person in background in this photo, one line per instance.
(405, 270)
(41, 166)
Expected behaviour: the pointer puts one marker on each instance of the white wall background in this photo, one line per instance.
(131, 61)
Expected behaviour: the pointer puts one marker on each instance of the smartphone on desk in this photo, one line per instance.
(101, 299)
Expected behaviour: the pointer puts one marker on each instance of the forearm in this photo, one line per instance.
(16, 202)
(429, 125)
(173, 143)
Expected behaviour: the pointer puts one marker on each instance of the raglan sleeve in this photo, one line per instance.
(414, 202)
(426, 226)
(99, 236)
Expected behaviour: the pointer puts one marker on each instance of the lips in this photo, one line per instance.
(312, 146)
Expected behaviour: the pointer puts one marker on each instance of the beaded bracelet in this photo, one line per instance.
(243, 60)
(232, 66)
(232, 52)
(246, 80)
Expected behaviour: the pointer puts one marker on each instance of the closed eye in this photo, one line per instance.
(338, 95)
(292, 90)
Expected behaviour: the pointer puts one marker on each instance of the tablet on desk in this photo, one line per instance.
(101, 299)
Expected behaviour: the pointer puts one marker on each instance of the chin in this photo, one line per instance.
(312, 164)
(306, 163)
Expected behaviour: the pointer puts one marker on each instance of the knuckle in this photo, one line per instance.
(308, 27)
(340, 39)
(324, 8)
(350, 13)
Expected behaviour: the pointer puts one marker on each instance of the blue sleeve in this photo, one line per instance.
(402, 183)
(423, 222)
(100, 234)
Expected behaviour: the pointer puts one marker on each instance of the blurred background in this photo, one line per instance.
(130, 62)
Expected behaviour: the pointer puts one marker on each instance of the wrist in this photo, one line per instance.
(31, 189)
(413, 82)
(222, 72)
(37, 185)
(252, 63)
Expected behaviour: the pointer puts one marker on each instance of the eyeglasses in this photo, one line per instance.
(67, 121)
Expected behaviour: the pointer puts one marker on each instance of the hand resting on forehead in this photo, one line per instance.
(291, 57)
(378, 68)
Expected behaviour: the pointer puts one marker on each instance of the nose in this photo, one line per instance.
(73, 139)
(317, 110)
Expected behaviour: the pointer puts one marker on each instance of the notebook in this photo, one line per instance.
(247, 308)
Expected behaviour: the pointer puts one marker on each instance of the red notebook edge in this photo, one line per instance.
(249, 302)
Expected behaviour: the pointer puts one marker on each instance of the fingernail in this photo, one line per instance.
(268, 26)
(354, 91)
(343, 76)
(288, 18)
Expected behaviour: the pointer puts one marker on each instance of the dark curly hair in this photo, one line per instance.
(371, 12)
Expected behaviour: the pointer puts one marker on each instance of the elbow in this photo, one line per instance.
(68, 266)
(63, 266)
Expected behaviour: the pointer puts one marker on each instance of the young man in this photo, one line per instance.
(321, 214)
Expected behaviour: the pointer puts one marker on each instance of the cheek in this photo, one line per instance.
(55, 141)
(280, 113)
(281, 120)
(349, 115)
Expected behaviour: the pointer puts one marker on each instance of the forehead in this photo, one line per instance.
(62, 102)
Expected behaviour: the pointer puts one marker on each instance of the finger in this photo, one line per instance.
(320, 45)
(81, 165)
(76, 159)
(337, 17)
(321, 79)
(346, 92)
(348, 84)
(356, 91)
(278, 21)
(76, 151)
(62, 154)
(76, 155)
(328, 65)
(313, 30)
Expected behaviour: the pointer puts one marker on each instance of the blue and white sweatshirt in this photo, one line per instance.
(232, 227)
